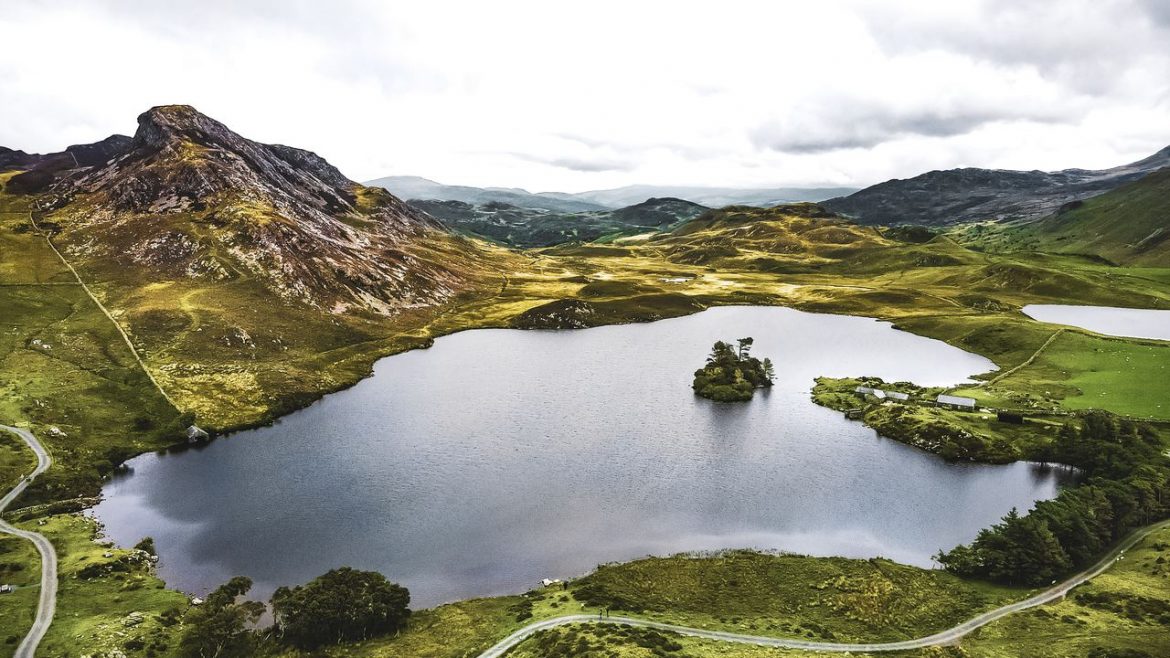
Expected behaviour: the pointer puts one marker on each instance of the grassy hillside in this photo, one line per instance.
(1082, 371)
(63, 365)
(791, 596)
(517, 226)
(235, 353)
(1129, 226)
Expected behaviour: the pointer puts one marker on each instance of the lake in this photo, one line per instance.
(500, 457)
(1108, 320)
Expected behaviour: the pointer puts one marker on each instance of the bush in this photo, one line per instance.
(342, 605)
(147, 545)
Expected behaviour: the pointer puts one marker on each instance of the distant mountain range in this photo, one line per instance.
(956, 196)
(414, 187)
(1129, 225)
(224, 207)
(536, 227)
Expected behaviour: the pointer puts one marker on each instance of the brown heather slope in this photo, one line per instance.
(189, 198)
(250, 277)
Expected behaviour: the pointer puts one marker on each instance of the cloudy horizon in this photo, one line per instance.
(550, 96)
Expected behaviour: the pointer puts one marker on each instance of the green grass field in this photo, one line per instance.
(20, 567)
(792, 596)
(1081, 371)
(62, 365)
(105, 603)
(16, 460)
(779, 595)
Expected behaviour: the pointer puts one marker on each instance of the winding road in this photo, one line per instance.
(47, 605)
(949, 636)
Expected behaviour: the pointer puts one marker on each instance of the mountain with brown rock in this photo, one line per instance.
(188, 197)
(250, 277)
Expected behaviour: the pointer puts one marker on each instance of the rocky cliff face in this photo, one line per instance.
(963, 195)
(188, 198)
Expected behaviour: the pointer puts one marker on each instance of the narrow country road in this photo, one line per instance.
(948, 636)
(48, 601)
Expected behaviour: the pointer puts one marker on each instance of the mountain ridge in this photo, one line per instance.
(221, 206)
(425, 189)
(250, 278)
(534, 227)
(955, 196)
(1129, 225)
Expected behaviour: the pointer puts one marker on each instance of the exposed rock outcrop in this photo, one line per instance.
(186, 197)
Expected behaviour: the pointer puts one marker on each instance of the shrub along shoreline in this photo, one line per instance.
(1125, 483)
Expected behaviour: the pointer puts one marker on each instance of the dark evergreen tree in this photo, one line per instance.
(732, 375)
(1127, 485)
(342, 605)
(219, 627)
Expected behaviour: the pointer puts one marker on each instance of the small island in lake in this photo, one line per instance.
(732, 374)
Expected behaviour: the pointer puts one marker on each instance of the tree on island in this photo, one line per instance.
(732, 374)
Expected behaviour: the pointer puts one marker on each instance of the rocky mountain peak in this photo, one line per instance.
(164, 125)
(188, 198)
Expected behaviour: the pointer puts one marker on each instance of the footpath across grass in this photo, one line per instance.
(1127, 377)
(793, 596)
(1124, 612)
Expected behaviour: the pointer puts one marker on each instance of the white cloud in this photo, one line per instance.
(569, 97)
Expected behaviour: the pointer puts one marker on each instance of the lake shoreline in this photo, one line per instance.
(287, 442)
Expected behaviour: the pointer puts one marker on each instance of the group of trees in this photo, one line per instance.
(342, 605)
(731, 374)
(220, 627)
(1127, 485)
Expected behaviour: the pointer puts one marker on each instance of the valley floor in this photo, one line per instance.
(66, 373)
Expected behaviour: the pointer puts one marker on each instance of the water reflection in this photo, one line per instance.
(499, 457)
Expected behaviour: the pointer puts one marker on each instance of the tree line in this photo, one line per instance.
(1126, 486)
(343, 605)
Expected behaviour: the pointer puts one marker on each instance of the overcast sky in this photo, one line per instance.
(561, 96)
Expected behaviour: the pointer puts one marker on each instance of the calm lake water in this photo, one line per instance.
(500, 457)
(1108, 320)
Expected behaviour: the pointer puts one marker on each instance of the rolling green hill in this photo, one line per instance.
(1130, 225)
(244, 273)
(958, 196)
(518, 226)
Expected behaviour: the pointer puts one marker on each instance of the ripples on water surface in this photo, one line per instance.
(499, 457)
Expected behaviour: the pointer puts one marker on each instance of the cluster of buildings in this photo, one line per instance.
(947, 401)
